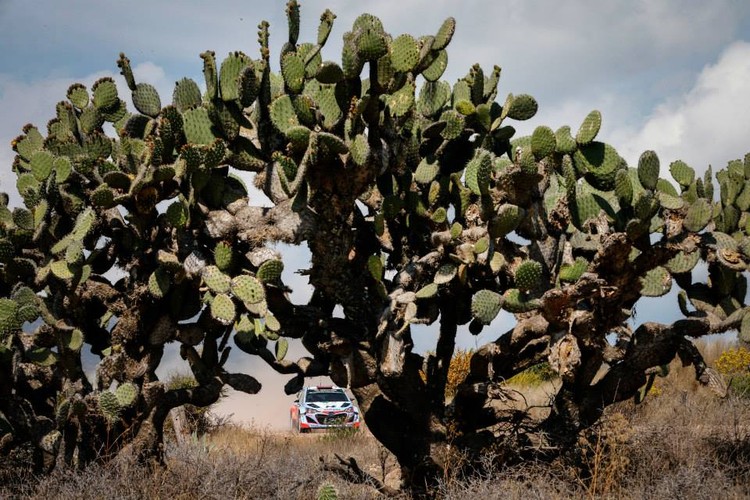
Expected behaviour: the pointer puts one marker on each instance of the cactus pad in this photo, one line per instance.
(126, 394)
(589, 128)
(248, 289)
(566, 144)
(506, 220)
(109, 406)
(522, 107)
(146, 100)
(572, 272)
(682, 173)
(159, 282)
(222, 309)
(528, 274)
(515, 301)
(198, 126)
(648, 169)
(485, 305)
(656, 282)
(698, 215)
(478, 172)
(105, 95)
(78, 95)
(600, 163)
(216, 280)
(426, 292)
(404, 53)
(270, 271)
(543, 142)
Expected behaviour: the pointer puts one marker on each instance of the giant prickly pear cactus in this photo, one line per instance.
(418, 206)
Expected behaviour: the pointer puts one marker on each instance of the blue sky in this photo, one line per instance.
(669, 75)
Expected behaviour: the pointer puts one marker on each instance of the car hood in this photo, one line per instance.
(338, 405)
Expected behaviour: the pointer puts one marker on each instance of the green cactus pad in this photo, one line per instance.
(485, 306)
(223, 256)
(515, 301)
(682, 173)
(402, 101)
(26, 145)
(435, 70)
(522, 107)
(623, 188)
(589, 128)
(105, 95)
(648, 169)
(570, 273)
(7, 250)
(229, 75)
(351, 63)
(293, 72)
(683, 262)
(9, 320)
(109, 406)
(433, 96)
(186, 95)
(42, 165)
(62, 270)
(566, 144)
(528, 275)
(329, 73)
(439, 215)
(371, 44)
(698, 215)
(248, 289)
(543, 142)
(216, 280)
(478, 172)
(198, 126)
(404, 53)
(91, 120)
(445, 273)
(600, 162)
(455, 124)
(78, 95)
(506, 220)
(222, 309)
(427, 171)
(146, 100)
(126, 394)
(427, 292)
(670, 202)
(375, 266)
(281, 348)
(270, 271)
(73, 339)
(360, 150)
(444, 34)
(283, 115)
(103, 197)
(177, 214)
(656, 282)
(159, 282)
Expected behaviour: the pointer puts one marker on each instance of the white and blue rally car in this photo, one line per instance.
(323, 407)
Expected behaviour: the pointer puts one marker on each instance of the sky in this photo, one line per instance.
(667, 75)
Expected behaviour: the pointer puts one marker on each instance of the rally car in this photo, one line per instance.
(323, 407)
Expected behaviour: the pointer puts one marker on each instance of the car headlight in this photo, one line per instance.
(350, 410)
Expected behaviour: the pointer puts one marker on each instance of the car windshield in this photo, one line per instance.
(327, 397)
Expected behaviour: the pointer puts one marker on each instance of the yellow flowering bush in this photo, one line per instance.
(735, 364)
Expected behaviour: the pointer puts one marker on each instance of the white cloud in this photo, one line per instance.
(708, 124)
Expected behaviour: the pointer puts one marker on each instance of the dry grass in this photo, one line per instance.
(681, 442)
